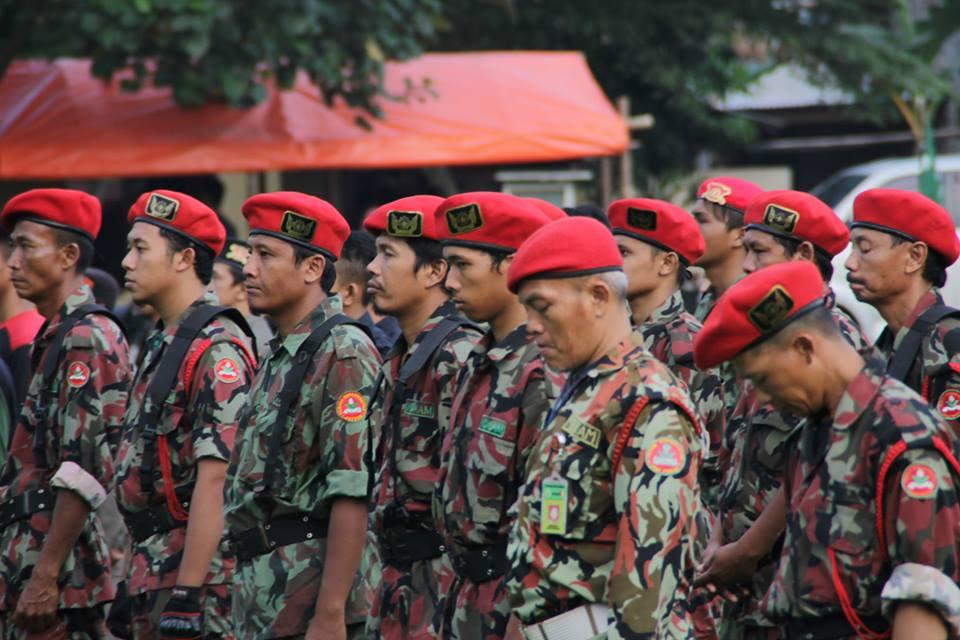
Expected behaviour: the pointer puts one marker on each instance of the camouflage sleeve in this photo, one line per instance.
(922, 521)
(218, 392)
(94, 379)
(447, 362)
(655, 497)
(921, 583)
(534, 406)
(341, 416)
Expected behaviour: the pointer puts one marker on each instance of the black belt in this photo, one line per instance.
(151, 521)
(829, 627)
(277, 532)
(25, 505)
(403, 547)
(481, 564)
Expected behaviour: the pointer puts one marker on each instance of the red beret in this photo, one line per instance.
(756, 307)
(181, 214)
(728, 192)
(659, 223)
(62, 208)
(565, 249)
(303, 220)
(410, 217)
(909, 214)
(552, 211)
(799, 216)
(487, 220)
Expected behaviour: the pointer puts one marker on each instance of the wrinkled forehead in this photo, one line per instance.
(548, 289)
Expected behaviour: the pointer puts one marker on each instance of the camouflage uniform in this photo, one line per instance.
(629, 529)
(198, 422)
(831, 488)
(83, 424)
(668, 334)
(407, 601)
(759, 439)
(497, 414)
(321, 460)
(936, 373)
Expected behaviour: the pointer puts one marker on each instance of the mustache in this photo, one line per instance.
(852, 280)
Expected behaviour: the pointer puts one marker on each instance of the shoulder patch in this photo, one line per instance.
(226, 370)
(351, 406)
(667, 456)
(919, 481)
(949, 404)
(78, 373)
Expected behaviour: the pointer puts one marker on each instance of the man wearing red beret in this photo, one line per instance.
(226, 284)
(903, 243)
(55, 578)
(419, 380)
(605, 526)
(719, 209)
(871, 482)
(658, 242)
(780, 226)
(182, 416)
(296, 490)
(501, 399)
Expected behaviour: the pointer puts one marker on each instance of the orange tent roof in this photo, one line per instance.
(57, 121)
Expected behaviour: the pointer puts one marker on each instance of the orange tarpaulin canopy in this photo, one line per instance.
(57, 121)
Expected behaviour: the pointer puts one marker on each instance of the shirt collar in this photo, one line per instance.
(616, 358)
(330, 306)
(671, 308)
(207, 298)
(486, 348)
(81, 296)
(859, 395)
(446, 309)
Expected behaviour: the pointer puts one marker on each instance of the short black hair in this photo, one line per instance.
(63, 237)
(358, 251)
(425, 251)
(820, 258)
(732, 218)
(203, 256)
(589, 211)
(329, 276)
(236, 274)
(935, 267)
(820, 319)
(105, 287)
(682, 272)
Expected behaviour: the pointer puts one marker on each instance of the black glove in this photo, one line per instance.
(182, 618)
(120, 618)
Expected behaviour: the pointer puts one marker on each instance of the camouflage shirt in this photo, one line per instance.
(320, 460)
(497, 414)
(198, 421)
(83, 412)
(408, 469)
(831, 486)
(668, 334)
(589, 531)
(935, 374)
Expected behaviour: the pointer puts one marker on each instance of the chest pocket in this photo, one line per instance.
(590, 510)
(771, 435)
(419, 425)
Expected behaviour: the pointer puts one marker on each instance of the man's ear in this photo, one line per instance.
(736, 239)
(348, 293)
(312, 268)
(803, 344)
(184, 259)
(806, 251)
(667, 263)
(916, 257)
(600, 295)
(433, 274)
(69, 255)
(504, 265)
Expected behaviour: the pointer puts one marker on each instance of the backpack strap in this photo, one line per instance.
(165, 378)
(292, 381)
(906, 353)
(48, 369)
(413, 366)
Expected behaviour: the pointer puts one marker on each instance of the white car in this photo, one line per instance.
(839, 192)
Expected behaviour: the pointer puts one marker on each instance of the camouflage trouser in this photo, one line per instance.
(472, 611)
(354, 632)
(406, 604)
(217, 625)
(72, 624)
(737, 630)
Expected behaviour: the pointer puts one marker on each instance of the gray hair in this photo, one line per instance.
(617, 281)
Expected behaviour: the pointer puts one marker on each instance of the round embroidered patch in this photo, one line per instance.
(949, 404)
(666, 456)
(919, 481)
(226, 370)
(77, 374)
(351, 406)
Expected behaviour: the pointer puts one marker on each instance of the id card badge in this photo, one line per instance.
(553, 506)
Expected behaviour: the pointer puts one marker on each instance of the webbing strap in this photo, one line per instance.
(414, 364)
(292, 381)
(165, 377)
(51, 360)
(906, 353)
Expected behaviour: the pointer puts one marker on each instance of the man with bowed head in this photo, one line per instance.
(606, 516)
(871, 549)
